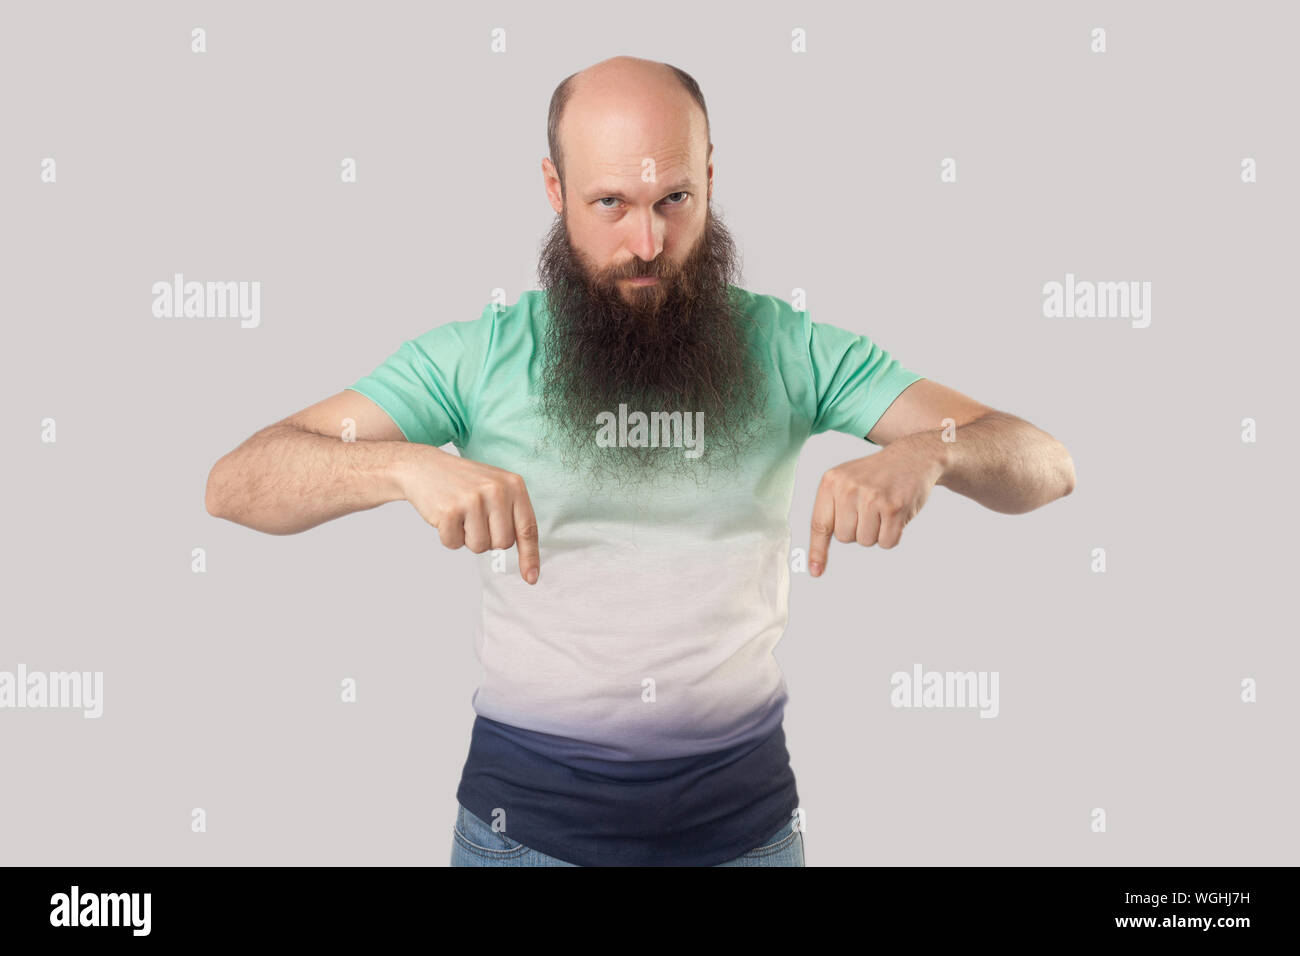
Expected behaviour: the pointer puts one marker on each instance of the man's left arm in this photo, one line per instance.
(995, 458)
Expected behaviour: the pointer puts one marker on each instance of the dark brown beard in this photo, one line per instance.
(682, 344)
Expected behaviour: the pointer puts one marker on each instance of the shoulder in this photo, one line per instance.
(775, 318)
(769, 310)
(495, 321)
(472, 341)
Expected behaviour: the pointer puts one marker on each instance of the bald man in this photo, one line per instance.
(627, 439)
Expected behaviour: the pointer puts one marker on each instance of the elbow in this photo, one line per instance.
(1067, 472)
(212, 498)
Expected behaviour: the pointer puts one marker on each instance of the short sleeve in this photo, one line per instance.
(854, 379)
(428, 385)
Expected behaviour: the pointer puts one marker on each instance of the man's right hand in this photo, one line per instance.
(474, 505)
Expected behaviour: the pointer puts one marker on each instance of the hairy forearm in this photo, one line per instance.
(285, 479)
(1002, 462)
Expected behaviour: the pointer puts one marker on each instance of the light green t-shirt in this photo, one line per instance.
(683, 590)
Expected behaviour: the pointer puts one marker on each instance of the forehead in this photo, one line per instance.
(607, 140)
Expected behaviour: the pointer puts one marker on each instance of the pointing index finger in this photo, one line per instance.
(823, 524)
(530, 561)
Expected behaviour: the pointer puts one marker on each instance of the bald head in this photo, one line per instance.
(619, 94)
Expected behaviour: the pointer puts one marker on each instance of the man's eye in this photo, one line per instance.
(683, 194)
(607, 197)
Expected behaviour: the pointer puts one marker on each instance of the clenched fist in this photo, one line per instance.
(474, 505)
(870, 500)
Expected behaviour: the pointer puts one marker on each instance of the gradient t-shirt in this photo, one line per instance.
(631, 707)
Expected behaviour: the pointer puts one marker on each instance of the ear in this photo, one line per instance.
(551, 180)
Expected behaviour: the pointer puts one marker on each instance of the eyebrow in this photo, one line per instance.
(615, 194)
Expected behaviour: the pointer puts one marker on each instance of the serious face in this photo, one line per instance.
(636, 269)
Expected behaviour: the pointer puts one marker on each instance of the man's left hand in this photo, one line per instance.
(869, 500)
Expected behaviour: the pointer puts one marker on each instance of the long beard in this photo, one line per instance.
(678, 345)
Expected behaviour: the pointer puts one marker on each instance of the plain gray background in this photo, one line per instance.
(1118, 690)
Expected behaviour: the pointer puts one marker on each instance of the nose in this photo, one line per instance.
(646, 242)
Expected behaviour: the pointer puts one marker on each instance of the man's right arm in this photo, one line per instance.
(299, 472)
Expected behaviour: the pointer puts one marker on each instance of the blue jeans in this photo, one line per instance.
(475, 843)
